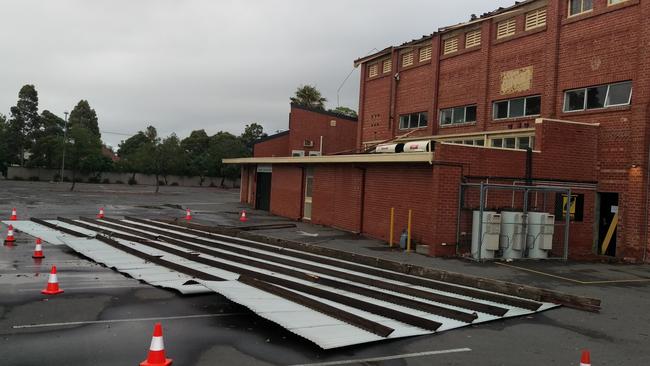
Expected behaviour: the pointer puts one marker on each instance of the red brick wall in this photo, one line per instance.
(276, 146)
(286, 191)
(336, 199)
(309, 125)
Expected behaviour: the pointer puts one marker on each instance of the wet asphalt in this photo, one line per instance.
(116, 313)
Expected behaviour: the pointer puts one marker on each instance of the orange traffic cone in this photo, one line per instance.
(156, 356)
(52, 284)
(100, 215)
(188, 214)
(38, 250)
(585, 360)
(10, 235)
(243, 217)
(14, 215)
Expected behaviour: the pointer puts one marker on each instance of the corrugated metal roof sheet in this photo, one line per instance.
(209, 253)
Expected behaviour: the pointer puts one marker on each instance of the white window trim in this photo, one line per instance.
(611, 2)
(297, 153)
(413, 128)
(584, 102)
(580, 13)
(494, 117)
(465, 121)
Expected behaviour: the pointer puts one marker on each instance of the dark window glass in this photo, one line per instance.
(523, 143)
(459, 115)
(497, 143)
(445, 116)
(516, 108)
(596, 97)
(404, 122)
(501, 109)
(574, 100)
(424, 120)
(480, 142)
(587, 5)
(533, 106)
(468, 142)
(509, 143)
(470, 114)
(576, 6)
(619, 94)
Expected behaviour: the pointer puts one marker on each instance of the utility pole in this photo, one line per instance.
(65, 139)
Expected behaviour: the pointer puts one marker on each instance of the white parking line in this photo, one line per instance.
(386, 358)
(68, 288)
(123, 320)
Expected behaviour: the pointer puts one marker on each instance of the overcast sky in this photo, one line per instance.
(186, 65)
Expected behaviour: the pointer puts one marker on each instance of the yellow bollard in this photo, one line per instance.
(408, 233)
(392, 224)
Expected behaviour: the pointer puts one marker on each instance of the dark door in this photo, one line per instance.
(263, 193)
(608, 223)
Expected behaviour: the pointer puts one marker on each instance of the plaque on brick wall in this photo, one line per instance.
(517, 80)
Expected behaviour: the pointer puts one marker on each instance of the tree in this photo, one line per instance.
(345, 111)
(48, 143)
(251, 134)
(225, 145)
(84, 152)
(4, 156)
(309, 96)
(24, 122)
(195, 147)
(84, 116)
(131, 153)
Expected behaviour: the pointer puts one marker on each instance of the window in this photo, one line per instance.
(473, 39)
(407, 59)
(471, 142)
(513, 142)
(536, 18)
(425, 53)
(314, 153)
(457, 115)
(580, 6)
(506, 28)
(413, 120)
(450, 46)
(518, 107)
(373, 70)
(297, 152)
(388, 66)
(596, 97)
(614, 2)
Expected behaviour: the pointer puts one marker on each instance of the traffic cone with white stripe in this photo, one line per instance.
(585, 360)
(100, 215)
(38, 250)
(243, 217)
(10, 236)
(52, 284)
(156, 356)
(14, 215)
(188, 214)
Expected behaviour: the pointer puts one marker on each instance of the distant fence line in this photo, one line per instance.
(46, 175)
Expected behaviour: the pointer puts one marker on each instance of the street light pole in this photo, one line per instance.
(65, 139)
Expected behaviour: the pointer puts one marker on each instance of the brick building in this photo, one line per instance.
(566, 79)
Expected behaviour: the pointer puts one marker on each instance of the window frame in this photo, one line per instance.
(517, 141)
(404, 55)
(374, 65)
(525, 98)
(582, 3)
(452, 123)
(537, 24)
(428, 54)
(419, 114)
(389, 62)
(506, 35)
(612, 3)
(452, 49)
(606, 105)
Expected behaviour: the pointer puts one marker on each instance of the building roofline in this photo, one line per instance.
(324, 112)
(474, 19)
(423, 157)
(271, 137)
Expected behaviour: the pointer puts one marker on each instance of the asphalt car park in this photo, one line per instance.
(106, 318)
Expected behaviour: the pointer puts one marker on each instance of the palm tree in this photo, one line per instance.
(309, 96)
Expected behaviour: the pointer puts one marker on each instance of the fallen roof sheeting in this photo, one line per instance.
(331, 302)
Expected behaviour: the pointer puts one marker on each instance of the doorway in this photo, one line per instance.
(263, 191)
(608, 223)
(309, 188)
